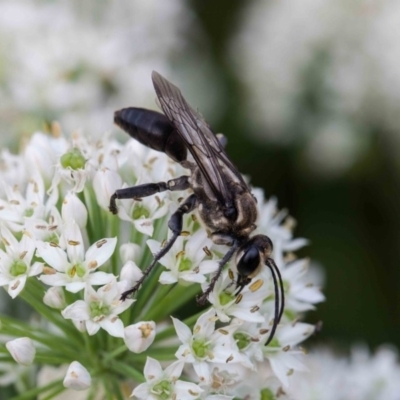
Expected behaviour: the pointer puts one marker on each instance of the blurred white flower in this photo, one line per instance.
(358, 377)
(323, 70)
(22, 350)
(77, 377)
(55, 298)
(77, 70)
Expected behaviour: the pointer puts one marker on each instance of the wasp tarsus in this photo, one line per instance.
(222, 197)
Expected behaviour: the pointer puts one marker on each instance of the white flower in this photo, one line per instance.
(15, 262)
(282, 352)
(72, 267)
(77, 377)
(141, 213)
(138, 337)
(277, 225)
(205, 345)
(100, 309)
(17, 208)
(46, 229)
(22, 350)
(245, 306)
(42, 151)
(185, 259)
(164, 384)
(74, 167)
(300, 291)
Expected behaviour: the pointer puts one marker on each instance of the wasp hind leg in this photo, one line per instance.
(147, 189)
(175, 223)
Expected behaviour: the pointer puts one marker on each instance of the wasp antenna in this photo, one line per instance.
(282, 295)
(279, 296)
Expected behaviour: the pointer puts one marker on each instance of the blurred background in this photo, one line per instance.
(308, 94)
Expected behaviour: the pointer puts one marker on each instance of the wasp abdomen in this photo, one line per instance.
(152, 129)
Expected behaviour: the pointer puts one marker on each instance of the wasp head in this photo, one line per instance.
(252, 256)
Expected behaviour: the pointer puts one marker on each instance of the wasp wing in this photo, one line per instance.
(202, 143)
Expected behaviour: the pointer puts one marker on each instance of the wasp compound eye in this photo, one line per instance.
(249, 262)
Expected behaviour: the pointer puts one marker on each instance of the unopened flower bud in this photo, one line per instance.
(105, 183)
(55, 298)
(129, 251)
(130, 273)
(74, 209)
(22, 350)
(140, 336)
(77, 377)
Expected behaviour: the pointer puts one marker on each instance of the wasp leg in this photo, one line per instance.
(175, 224)
(147, 189)
(203, 298)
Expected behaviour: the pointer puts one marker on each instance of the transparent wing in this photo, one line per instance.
(204, 146)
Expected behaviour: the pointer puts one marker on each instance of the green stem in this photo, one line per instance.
(177, 297)
(127, 371)
(33, 393)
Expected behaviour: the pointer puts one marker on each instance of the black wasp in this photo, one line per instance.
(223, 199)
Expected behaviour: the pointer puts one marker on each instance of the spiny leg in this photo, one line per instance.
(203, 298)
(279, 296)
(147, 189)
(175, 223)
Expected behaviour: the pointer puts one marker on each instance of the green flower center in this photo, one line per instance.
(73, 159)
(163, 390)
(97, 309)
(185, 264)
(266, 394)
(76, 269)
(242, 340)
(18, 267)
(28, 212)
(52, 238)
(225, 298)
(201, 348)
(140, 211)
(274, 343)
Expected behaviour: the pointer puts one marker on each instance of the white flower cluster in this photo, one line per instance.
(357, 377)
(83, 58)
(55, 225)
(322, 68)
